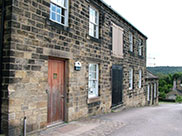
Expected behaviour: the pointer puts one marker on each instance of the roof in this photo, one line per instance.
(151, 76)
(123, 18)
(177, 92)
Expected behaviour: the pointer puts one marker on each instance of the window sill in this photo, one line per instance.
(141, 57)
(92, 100)
(117, 56)
(130, 89)
(93, 39)
(57, 25)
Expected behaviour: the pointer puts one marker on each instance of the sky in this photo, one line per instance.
(161, 22)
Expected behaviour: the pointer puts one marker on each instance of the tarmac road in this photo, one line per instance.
(163, 120)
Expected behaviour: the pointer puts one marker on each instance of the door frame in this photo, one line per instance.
(65, 108)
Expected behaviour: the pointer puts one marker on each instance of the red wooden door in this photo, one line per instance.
(56, 76)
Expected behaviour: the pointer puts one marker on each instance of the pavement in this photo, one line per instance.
(162, 120)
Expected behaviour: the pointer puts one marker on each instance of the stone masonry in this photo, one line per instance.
(30, 38)
(152, 80)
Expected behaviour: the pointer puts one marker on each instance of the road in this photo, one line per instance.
(163, 120)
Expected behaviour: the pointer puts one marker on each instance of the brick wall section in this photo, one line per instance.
(34, 38)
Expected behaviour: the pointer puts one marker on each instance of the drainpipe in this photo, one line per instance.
(25, 126)
(1, 56)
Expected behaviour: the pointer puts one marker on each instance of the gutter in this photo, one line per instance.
(1, 56)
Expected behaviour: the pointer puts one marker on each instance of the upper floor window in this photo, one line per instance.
(59, 11)
(117, 40)
(93, 80)
(140, 47)
(140, 79)
(130, 78)
(93, 22)
(131, 41)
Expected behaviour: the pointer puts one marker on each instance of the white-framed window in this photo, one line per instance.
(140, 79)
(59, 11)
(93, 80)
(93, 22)
(140, 47)
(155, 90)
(131, 41)
(117, 40)
(148, 92)
(131, 79)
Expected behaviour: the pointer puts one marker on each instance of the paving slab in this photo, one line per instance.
(86, 127)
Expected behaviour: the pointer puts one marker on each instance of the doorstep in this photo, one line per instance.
(118, 108)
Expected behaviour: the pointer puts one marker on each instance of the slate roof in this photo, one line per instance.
(177, 92)
(151, 76)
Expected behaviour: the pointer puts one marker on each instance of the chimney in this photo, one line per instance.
(174, 84)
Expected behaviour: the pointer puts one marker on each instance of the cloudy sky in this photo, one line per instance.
(161, 22)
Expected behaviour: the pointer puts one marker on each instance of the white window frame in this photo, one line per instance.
(131, 41)
(140, 79)
(140, 47)
(148, 92)
(58, 4)
(131, 79)
(155, 90)
(93, 92)
(92, 31)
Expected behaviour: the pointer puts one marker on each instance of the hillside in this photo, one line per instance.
(164, 70)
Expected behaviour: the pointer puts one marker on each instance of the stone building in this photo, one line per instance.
(176, 91)
(152, 88)
(67, 59)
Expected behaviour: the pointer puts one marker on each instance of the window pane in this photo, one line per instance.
(131, 79)
(59, 10)
(92, 15)
(53, 7)
(91, 29)
(93, 75)
(62, 20)
(93, 67)
(53, 16)
(93, 80)
(58, 18)
(63, 12)
(96, 17)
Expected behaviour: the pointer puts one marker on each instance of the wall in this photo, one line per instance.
(34, 38)
(7, 74)
(151, 82)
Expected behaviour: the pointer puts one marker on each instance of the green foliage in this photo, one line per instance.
(166, 83)
(162, 95)
(179, 99)
(164, 70)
